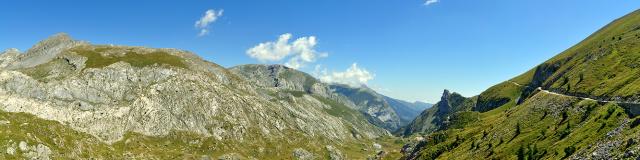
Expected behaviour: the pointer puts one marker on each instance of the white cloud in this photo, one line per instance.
(354, 76)
(209, 17)
(430, 2)
(300, 52)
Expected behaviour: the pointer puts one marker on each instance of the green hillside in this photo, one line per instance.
(606, 65)
(581, 104)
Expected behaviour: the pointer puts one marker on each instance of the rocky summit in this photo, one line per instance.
(69, 99)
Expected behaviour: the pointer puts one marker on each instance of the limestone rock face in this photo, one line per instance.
(365, 100)
(108, 91)
(373, 104)
(9, 56)
(44, 51)
(301, 154)
(334, 154)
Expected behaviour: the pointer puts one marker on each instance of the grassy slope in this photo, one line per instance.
(548, 123)
(97, 60)
(515, 119)
(67, 143)
(606, 64)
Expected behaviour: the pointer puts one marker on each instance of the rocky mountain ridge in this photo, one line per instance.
(119, 94)
(375, 106)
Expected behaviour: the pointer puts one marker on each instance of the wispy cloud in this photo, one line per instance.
(209, 17)
(430, 2)
(299, 52)
(354, 76)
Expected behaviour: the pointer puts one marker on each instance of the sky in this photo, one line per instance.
(408, 49)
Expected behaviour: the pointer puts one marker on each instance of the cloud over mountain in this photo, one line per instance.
(299, 52)
(354, 76)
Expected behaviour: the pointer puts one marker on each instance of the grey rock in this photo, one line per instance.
(372, 104)
(301, 154)
(377, 147)
(9, 56)
(282, 78)
(230, 156)
(11, 150)
(155, 100)
(38, 151)
(44, 51)
(334, 153)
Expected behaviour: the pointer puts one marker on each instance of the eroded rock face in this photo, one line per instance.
(9, 56)
(301, 154)
(365, 100)
(44, 51)
(334, 154)
(372, 104)
(52, 81)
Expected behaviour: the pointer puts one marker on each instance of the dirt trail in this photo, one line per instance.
(560, 94)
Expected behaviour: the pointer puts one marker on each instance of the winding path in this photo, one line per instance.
(583, 98)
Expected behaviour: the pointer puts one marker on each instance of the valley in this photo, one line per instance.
(201, 97)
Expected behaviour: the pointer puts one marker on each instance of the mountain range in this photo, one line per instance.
(65, 98)
(70, 99)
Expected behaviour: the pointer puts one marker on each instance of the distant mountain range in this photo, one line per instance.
(380, 110)
(407, 110)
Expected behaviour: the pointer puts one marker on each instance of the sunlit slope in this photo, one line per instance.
(581, 104)
(606, 65)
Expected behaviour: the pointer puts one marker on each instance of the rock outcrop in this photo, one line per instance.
(438, 117)
(45, 51)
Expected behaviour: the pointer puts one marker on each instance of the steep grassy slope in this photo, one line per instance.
(546, 126)
(581, 104)
(62, 142)
(605, 66)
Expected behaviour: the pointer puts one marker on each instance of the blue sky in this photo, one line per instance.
(412, 51)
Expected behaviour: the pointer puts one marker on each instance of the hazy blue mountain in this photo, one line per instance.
(407, 111)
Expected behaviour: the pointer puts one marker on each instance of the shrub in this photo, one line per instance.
(569, 151)
(635, 123)
(520, 153)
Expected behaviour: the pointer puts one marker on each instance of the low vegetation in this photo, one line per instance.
(533, 130)
(95, 58)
